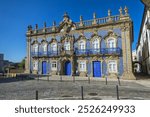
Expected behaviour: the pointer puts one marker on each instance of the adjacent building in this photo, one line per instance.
(1, 62)
(143, 46)
(97, 48)
(136, 68)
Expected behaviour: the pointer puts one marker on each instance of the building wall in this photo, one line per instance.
(1, 62)
(111, 36)
(143, 47)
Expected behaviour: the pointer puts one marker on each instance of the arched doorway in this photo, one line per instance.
(67, 68)
(137, 67)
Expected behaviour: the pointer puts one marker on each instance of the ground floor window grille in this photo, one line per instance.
(35, 65)
(54, 65)
(82, 66)
(112, 66)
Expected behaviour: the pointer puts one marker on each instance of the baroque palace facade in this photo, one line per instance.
(97, 48)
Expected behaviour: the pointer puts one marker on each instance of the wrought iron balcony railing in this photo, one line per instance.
(35, 54)
(53, 53)
(78, 52)
(99, 51)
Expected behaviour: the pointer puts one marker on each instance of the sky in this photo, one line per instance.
(16, 15)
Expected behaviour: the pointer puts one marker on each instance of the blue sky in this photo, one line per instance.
(16, 15)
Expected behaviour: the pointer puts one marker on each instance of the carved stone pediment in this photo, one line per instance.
(35, 42)
(66, 38)
(111, 34)
(44, 41)
(53, 40)
(81, 37)
(66, 25)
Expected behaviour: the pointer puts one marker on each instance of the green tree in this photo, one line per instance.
(21, 65)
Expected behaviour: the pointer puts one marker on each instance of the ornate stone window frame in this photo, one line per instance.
(44, 45)
(111, 35)
(82, 65)
(54, 65)
(51, 44)
(115, 42)
(93, 38)
(67, 45)
(35, 46)
(35, 65)
(116, 66)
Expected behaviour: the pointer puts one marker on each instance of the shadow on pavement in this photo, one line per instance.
(14, 79)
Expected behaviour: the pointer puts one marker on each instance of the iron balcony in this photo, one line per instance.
(79, 52)
(102, 51)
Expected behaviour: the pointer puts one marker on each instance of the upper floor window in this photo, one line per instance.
(53, 47)
(44, 47)
(35, 47)
(111, 43)
(95, 44)
(67, 45)
(112, 65)
(81, 45)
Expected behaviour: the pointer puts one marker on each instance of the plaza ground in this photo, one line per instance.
(70, 89)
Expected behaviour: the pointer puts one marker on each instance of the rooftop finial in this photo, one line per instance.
(29, 27)
(81, 21)
(36, 26)
(126, 10)
(81, 18)
(120, 10)
(109, 12)
(54, 23)
(66, 15)
(44, 24)
(94, 15)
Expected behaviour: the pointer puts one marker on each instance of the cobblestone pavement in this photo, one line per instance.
(67, 89)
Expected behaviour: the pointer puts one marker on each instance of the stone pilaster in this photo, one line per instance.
(28, 60)
(126, 51)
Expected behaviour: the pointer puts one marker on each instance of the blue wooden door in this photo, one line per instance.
(68, 68)
(44, 71)
(96, 68)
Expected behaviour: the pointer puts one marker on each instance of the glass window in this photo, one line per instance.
(45, 47)
(96, 44)
(111, 43)
(54, 65)
(35, 65)
(53, 47)
(35, 48)
(81, 45)
(82, 66)
(112, 66)
(67, 45)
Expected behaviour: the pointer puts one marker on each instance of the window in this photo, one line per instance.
(81, 45)
(54, 65)
(112, 66)
(53, 47)
(67, 45)
(45, 48)
(35, 48)
(35, 65)
(96, 44)
(111, 43)
(82, 66)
